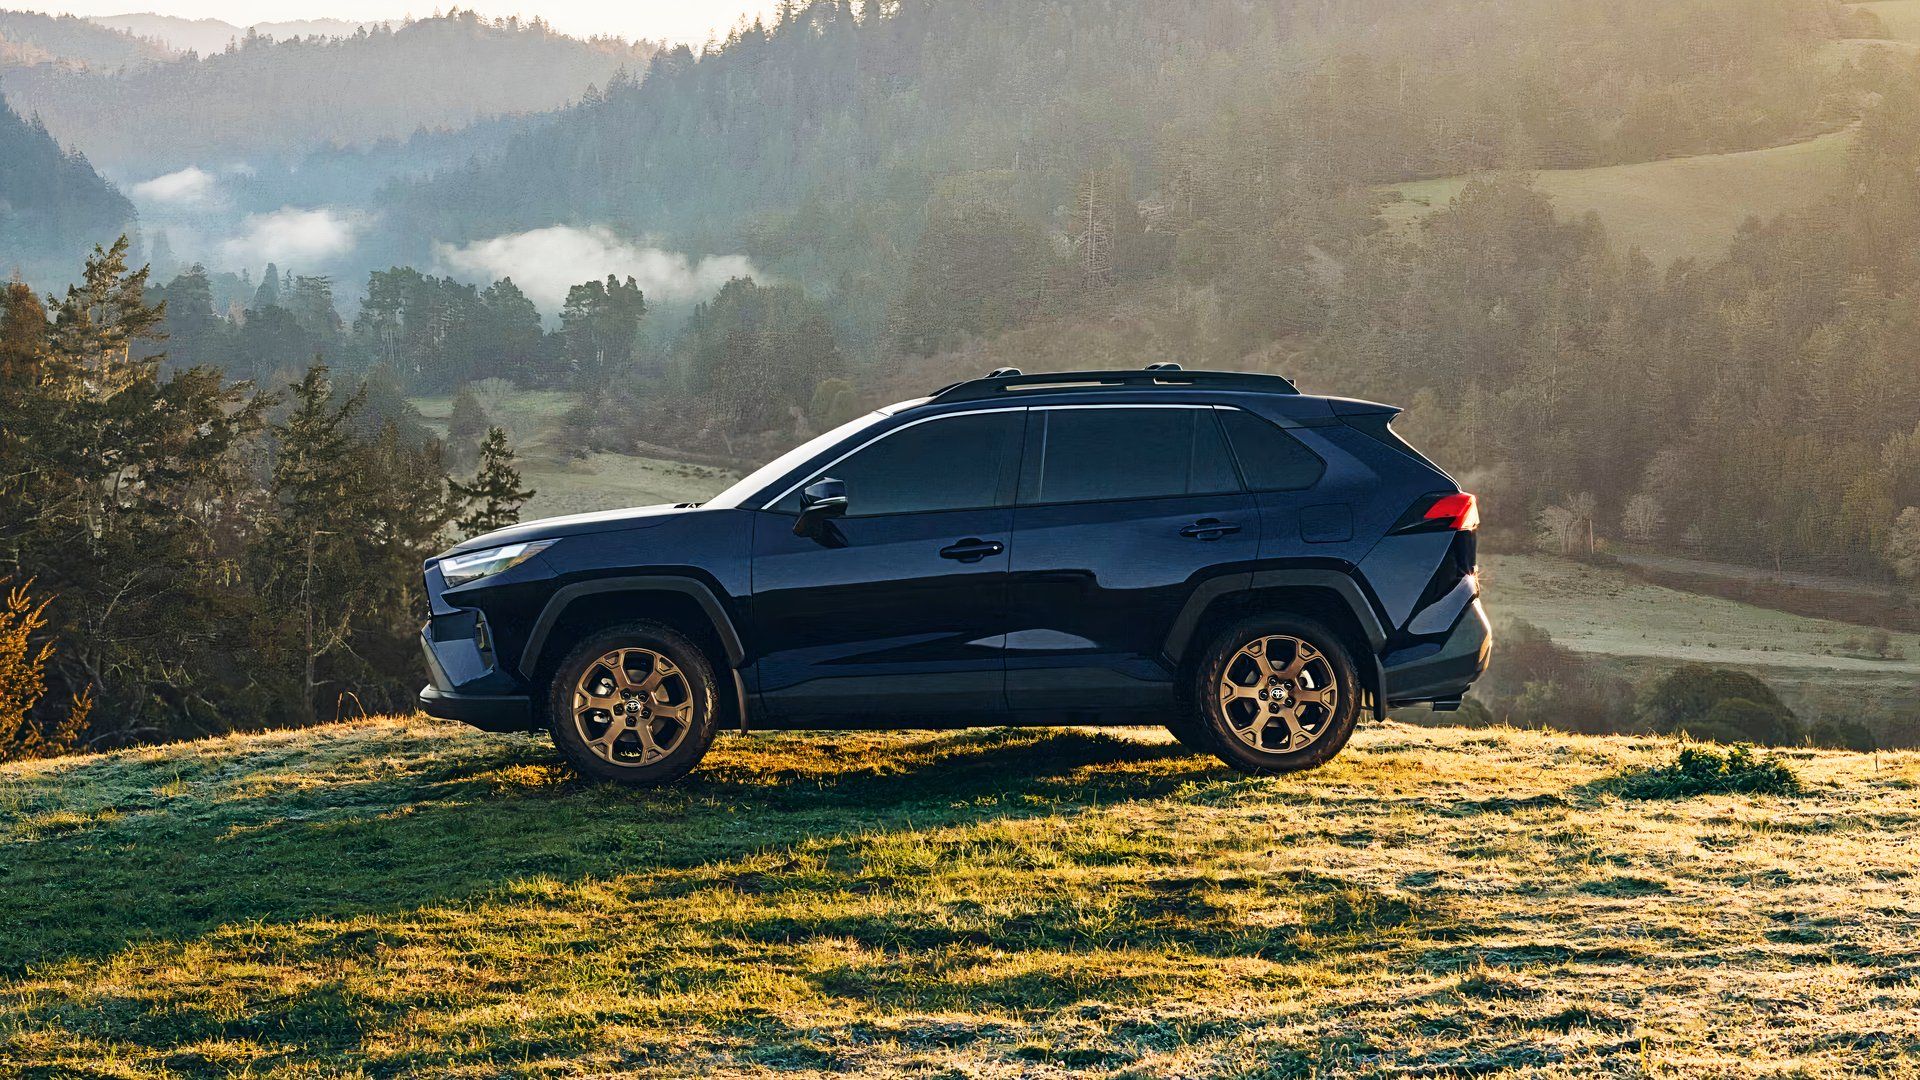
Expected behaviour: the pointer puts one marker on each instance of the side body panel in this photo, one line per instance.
(876, 621)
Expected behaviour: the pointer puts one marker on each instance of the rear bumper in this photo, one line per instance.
(1442, 670)
(488, 712)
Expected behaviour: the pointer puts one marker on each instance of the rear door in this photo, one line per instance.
(897, 613)
(1123, 511)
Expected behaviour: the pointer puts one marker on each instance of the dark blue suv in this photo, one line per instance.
(1213, 552)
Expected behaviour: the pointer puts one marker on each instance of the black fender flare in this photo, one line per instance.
(716, 612)
(1187, 623)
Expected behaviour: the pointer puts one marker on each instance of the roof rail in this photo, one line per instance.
(1159, 375)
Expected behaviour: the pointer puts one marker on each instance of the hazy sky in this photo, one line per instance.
(675, 20)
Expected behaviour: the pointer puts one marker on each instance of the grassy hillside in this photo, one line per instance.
(564, 484)
(1901, 18)
(401, 897)
(1689, 206)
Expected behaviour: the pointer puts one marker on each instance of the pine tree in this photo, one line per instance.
(466, 426)
(494, 498)
(23, 332)
(269, 292)
(308, 547)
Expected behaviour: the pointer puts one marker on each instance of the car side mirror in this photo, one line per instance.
(820, 502)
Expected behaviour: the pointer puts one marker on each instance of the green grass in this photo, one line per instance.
(407, 898)
(563, 484)
(1698, 770)
(1689, 206)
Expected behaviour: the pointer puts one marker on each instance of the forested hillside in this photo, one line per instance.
(28, 38)
(208, 36)
(52, 203)
(940, 172)
(710, 257)
(265, 99)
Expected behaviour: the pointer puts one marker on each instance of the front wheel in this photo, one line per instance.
(1276, 693)
(634, 704)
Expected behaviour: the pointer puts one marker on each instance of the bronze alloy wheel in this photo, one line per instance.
(1278, 694)
(632, 707)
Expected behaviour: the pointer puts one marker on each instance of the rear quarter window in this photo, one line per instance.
(1270, 458)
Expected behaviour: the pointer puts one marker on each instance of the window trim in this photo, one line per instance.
(1233, 459)
(772, 505)
(1233, 451)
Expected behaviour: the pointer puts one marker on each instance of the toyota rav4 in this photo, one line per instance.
(1213, 552)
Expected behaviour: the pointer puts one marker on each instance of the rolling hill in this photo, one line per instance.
(1900, 18)
(1674, 208)
(402, 897)
(208, 36)
(28, 38)
(270, 100)
(52, 203)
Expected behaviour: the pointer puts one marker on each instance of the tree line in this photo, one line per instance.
(202, 555)
(266, 99)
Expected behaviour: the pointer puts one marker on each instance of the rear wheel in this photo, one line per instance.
(1276, 693)
(634, 704)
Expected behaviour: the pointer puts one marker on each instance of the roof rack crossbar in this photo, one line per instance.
(995, 385)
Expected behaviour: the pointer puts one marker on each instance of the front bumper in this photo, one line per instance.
(466, 686)
(1441, 670)
(488, 712)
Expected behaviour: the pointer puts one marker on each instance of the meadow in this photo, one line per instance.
(1679, 207)
(404, 897)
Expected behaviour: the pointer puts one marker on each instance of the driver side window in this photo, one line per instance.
(949, 463)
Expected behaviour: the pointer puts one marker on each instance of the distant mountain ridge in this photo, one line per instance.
(28, 38)
(208, 36)
(278, 100)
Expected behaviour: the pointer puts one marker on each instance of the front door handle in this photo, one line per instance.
(972, 549)
(1209, 529)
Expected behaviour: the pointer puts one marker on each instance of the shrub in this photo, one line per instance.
(25, 730)
(1840, 734)
(1701, 771)
(1748, 721)
(1685, 699)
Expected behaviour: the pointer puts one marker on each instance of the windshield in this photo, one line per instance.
(751, 484)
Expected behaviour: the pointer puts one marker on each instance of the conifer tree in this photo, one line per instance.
(308, 544)
(494, 498)
(466, 426)
(268, 294)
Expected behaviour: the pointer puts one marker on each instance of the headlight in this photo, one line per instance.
(475, 565)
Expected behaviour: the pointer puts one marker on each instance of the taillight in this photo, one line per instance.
(1452, 511)
(1458, 511)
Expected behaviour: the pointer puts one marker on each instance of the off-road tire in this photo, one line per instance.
(686, 686)
(1228, 730)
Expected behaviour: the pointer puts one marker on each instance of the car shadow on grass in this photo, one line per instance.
(200, 842)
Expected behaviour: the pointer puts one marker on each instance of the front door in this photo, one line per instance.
(897, 612)
(1123, 512)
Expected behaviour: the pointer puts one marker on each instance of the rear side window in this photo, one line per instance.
(952, 463)
(1101, 455)
(1271, 459)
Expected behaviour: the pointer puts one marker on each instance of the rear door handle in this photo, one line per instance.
(972, 549)
(1209, 529)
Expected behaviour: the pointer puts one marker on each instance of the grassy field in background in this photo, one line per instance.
(404, 897)
(564, 484)
(1688, 206)
(1817, 664)
(1901, 18)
